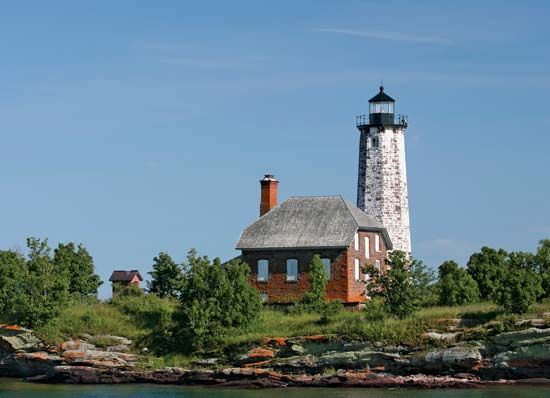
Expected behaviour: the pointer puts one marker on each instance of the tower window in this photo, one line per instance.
(326, 266)
(374, 142)
(291, 270)
(263, 271)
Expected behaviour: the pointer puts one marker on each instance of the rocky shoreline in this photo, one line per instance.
(446, 360)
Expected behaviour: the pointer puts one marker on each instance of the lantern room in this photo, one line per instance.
(381, 108)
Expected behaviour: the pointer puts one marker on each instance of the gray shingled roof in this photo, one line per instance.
(309, 222)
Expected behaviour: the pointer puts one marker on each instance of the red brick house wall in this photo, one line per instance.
(341, 286)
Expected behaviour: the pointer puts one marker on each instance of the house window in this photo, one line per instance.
(357, 270)
(377, 243)
(356, 241)
(377, 265)
(263, 271)
(264, 297)
(291, 270)
(367, 247)
(326, 267)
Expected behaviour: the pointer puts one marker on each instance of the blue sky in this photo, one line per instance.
(135, 127)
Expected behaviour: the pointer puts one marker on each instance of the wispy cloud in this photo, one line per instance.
(391, 36)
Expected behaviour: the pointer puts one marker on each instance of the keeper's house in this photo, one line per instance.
(280, 245)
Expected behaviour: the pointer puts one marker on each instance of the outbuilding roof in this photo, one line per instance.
(124, 276)
(310, 222)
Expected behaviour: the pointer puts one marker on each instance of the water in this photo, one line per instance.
(16, 389)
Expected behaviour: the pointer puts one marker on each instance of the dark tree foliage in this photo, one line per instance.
(542, 259)
(396, 287)
(166, 276)
(47, 286)
(486, 268)
(214, 299)
(456, 286)
(33, 290)
(78, 266)
(13, 280)
(519, 285)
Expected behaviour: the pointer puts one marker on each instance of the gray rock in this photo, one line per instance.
(455, 357)
(18, 340)
(297, 348)
(519, 338)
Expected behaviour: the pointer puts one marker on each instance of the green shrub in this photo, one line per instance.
(214, 300)
(375, 310)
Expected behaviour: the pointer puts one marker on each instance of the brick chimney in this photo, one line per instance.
(269, 193)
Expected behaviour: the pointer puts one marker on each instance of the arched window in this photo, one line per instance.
(357, 270)
(291, 270)
(356, 241)
(367, 247)
(376, 243)
(263, 271)
(326, 267)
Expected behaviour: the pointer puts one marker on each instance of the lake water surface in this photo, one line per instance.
(16, 389)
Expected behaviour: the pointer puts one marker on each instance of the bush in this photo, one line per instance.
(214, 299)
(375, 310)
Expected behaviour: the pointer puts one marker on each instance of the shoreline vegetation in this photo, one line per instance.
(201, 322)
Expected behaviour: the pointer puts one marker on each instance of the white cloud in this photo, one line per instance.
(391, 36)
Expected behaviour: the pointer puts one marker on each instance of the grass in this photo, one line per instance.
(135, 318)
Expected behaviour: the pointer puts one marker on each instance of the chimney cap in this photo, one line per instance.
(268, 177)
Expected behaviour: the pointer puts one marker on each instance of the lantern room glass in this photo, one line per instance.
(381, 107)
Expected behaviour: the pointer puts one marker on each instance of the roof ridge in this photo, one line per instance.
(347, 204)
(314, 196)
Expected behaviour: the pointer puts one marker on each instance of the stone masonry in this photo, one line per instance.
(382, 181)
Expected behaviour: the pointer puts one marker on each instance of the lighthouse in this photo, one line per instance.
(382, 179)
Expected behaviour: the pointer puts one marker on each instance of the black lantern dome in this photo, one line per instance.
(382, 112)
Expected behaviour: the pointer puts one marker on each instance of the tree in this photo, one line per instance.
(214, 299)
(78, 266)
(519, 284)
(542, 259)
(47, 287)
(166, 276)
(315, 297)
(13, 277)
(486, 268)
(456, 286)
(396, 286)
(423, 280)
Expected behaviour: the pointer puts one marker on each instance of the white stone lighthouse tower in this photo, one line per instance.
(382, 183)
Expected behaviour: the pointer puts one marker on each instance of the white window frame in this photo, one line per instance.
(367, 247)
(378, 265)
(377, 243)
(259, 276)
(357, 270)
(327, 267)
(356, 241)
(291, 262)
